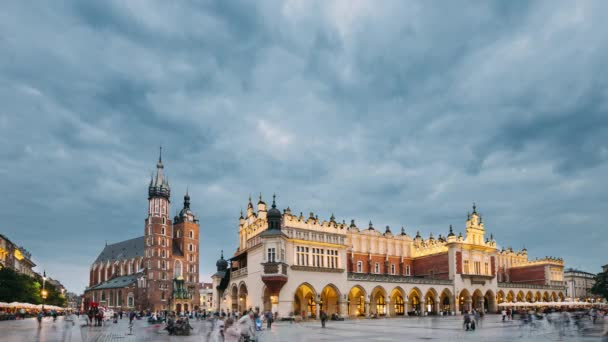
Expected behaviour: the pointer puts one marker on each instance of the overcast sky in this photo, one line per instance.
(403, 113)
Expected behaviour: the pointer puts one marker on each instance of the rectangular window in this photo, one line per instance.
(487, 268)
(359, 266)
(477, 267)
(465, 266)
(272, 254)
(377, 268)
(392, 268)
(407, 270)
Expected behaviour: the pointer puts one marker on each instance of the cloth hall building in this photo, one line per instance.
(157, 271)
(297, 265)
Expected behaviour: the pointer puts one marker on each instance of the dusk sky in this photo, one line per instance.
(402, 113)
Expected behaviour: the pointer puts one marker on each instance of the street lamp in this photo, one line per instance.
(44, 292)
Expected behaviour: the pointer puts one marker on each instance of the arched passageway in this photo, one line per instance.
(378, 301)
(330, 300)
(478, 300)
(446, 301)
(266, 301)
(545, 296)
(234, 298)
(243, 303)
(490, 302)
(415, 302)
(520, 296)
(464, 301)
(510, 297)
(500, 297)
(356, 302)
(397, 307)
(529, 297)
(430, 300)
(305, 301)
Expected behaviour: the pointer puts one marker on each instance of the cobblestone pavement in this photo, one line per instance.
(398, 329)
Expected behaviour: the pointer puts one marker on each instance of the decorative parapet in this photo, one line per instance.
(239, 273)
(532, 286)
(274, 268)
(317, 269)
(389, 278)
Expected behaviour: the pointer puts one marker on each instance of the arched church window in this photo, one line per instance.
(191, 234)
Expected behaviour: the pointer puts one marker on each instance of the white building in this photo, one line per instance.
(295, 265)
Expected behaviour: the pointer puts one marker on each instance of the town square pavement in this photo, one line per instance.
(395, 329)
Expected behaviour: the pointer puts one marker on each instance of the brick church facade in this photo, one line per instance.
(157, 271)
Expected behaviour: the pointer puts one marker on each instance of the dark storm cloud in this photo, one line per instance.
(403, 114)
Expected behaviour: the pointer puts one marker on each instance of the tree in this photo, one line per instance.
(601, 284)
(16, 287)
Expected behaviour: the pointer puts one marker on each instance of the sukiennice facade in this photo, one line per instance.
(297, 265)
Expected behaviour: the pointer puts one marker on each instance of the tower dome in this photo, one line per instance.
(274, 212)
(221, 263)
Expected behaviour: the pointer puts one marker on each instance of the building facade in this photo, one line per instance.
(15, 257)
(157, 271)
(578, 285)
(299, 265)
(206, 294)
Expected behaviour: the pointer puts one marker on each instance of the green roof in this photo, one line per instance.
(118, 282)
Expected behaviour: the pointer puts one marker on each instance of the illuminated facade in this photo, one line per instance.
(299, 265)
(15, 257)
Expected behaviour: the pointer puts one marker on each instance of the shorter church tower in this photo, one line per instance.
(186, 258)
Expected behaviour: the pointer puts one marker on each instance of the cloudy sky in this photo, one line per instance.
(403, 113)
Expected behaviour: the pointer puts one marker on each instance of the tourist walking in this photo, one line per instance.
(247, 326)
(269, 318)
(323, 318)
(232, 333)
(39, 318)
(467, 321)
(504, 314)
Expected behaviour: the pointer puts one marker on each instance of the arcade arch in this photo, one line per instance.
(305, 301)
(378, 301)
(415, 300)
(356, 301)
(330, 300)
(397, 307)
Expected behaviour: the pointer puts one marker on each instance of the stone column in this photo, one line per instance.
(367, 309)
(422, 308)
(318, 307)
(468, 303)
(405, 308)
(453, 305)
(437, 305)
(343, 308)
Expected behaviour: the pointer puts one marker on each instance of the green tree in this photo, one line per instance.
(601, 285)
(16, 287)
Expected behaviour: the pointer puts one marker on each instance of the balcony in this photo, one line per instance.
(241, 272)
(274, 276)
(275, 268)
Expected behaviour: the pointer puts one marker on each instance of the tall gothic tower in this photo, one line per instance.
(158, 240)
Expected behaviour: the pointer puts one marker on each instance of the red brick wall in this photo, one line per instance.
(458, 262)
(493, 265)
(529, 275)
(381, 260)
(437, 265)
